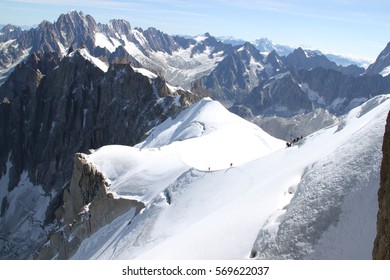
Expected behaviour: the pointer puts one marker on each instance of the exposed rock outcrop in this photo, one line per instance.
(382, 242)
(87, 207)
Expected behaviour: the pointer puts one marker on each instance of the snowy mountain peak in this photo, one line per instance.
(264, 45)
(77, 21)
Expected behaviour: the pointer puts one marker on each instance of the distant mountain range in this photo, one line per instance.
(266, 46)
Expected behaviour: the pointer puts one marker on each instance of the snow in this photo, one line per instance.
(316, 199)
(313, 95)
(179, 68)
(241, 49)
(281, 75)
(140, 37)
(337, 102)
(63, 50)
(8, 69)
(23, 221)
(145, 72)
(334, 209)
(183, 67)
(5, 45)
(200, 38)
(110, 43)
(197, 137)
(385, 71)
(26, 195)
(254, 68)
(173, 89)
(310, 54)
(96, 61)
(383, 57)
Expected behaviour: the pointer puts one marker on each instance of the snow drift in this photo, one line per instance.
(218, 187)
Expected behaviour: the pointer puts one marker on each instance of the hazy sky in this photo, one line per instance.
(356, 27)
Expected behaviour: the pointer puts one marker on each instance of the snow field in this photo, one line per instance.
(272, 197)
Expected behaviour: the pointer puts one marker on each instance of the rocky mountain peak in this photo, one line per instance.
(9, 32)
(159, 41)
(382, 63)
(76, 21)
(251, 51)
(264, 45)
(275, 61)
(306, 59)
(121, 26)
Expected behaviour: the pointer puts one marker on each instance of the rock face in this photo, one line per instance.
(87, 207)
(381, 249)
(237, 74)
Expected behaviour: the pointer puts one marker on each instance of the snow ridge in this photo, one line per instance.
(317, 224)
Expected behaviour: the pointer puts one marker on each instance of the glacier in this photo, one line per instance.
(218, 187)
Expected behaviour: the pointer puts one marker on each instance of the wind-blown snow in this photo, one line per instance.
(307, 201)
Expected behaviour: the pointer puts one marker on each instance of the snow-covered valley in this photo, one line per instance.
(218, 187)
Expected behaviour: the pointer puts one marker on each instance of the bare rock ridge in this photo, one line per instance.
(87, 207)
(381, 249)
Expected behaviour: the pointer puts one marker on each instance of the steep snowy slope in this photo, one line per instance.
(312, 198)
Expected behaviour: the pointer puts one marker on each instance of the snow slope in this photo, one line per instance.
(313, 200)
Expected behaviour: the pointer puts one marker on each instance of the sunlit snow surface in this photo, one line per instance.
(316, 199)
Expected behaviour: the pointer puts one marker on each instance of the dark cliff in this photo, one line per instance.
(382, 242)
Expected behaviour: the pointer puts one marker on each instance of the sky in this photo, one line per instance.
(357, 28)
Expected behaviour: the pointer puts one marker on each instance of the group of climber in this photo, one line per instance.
(293, 141)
